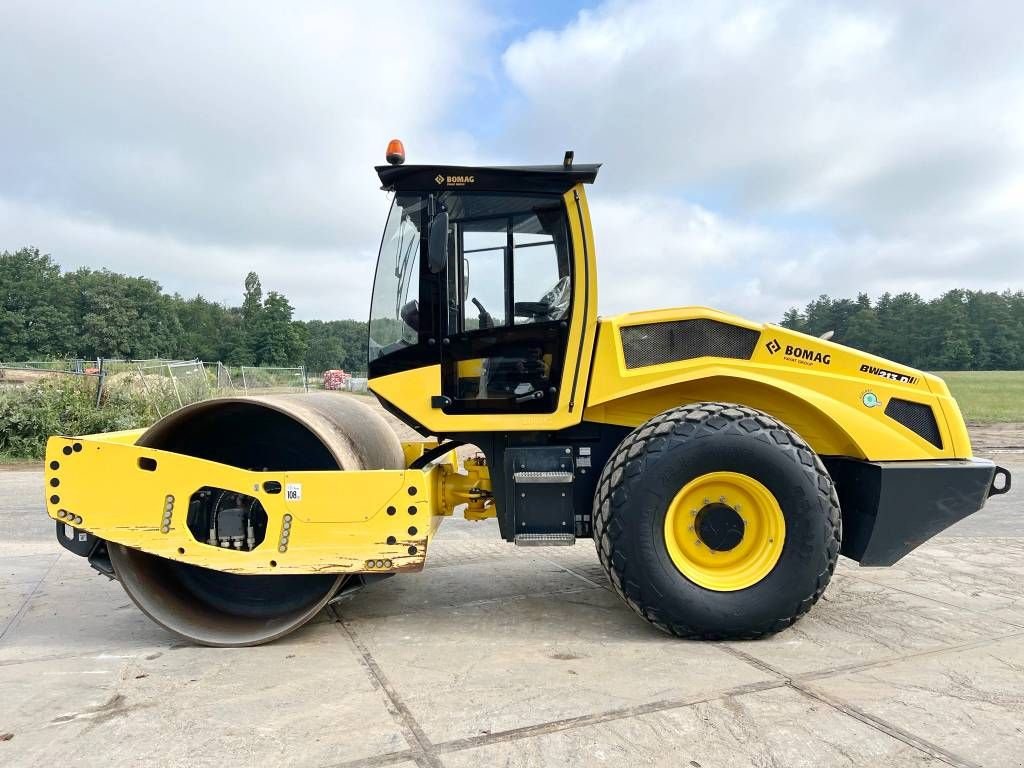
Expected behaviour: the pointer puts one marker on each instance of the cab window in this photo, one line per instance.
(484, 250)
(510, 286)
(394, 305)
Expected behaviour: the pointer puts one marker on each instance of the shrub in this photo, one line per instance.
(66, 406)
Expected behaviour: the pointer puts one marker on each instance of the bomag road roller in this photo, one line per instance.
(721, 466)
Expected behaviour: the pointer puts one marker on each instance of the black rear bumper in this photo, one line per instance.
(890, 508)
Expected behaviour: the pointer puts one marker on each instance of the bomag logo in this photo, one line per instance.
(806, 356)
(455, 181)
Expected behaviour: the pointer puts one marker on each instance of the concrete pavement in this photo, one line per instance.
(504, 656)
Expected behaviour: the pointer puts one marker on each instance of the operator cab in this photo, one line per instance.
(476, 274)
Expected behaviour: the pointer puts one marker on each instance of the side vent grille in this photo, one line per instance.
(657, 343)
(916, 417)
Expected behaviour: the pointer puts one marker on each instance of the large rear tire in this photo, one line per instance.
(717, 521)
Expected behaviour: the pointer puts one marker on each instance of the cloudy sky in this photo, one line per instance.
(755, 154)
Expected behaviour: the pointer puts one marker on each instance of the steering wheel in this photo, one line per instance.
(535, 310)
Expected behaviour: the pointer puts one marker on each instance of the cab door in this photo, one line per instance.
(509, 306)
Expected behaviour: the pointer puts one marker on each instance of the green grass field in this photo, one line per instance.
(988, 396)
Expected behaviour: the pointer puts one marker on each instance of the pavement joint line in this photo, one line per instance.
(577, 575)
(821, 674)
(887, 662)
(422, 747)
(581, 721)
(18, 589)
(937, 601)
(753, 661)
(489, 600)
(468, 604)
(50, 657)
(893, 731)
(798, 683)
(389, 758)
(16, 619)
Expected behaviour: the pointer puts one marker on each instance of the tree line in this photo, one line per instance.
(959, 330)
(46, 313)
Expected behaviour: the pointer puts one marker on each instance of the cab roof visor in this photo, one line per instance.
(516, 178)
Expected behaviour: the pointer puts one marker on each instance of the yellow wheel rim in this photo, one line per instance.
(724, 531)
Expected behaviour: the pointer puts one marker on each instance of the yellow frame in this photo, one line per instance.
(824, 402)
(338, 524)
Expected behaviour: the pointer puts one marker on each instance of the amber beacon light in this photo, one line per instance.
(395, 153)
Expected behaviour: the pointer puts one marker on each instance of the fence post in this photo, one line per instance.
(223, 377)
(145, 385)
(174, 383)
(207, 392)
(99, 386)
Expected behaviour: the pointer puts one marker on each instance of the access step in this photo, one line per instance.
(541, 495)
(529, 478)
(545, 539)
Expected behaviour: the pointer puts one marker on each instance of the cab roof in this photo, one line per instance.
(510, 178)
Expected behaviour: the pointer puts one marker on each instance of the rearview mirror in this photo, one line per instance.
(437, 242)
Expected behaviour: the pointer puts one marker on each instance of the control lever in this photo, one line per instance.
(537, 394)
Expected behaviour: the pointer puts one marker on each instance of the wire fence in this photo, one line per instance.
(20, 374)
(268, 380)
(165, 384)
(172, 385)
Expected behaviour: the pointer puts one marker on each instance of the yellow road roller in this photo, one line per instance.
(721, 466)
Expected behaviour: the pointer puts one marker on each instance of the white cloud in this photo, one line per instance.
(220, 137)
(658, 252)
(651, 247)
(756, 153)
(329, 282)
(871, 146)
